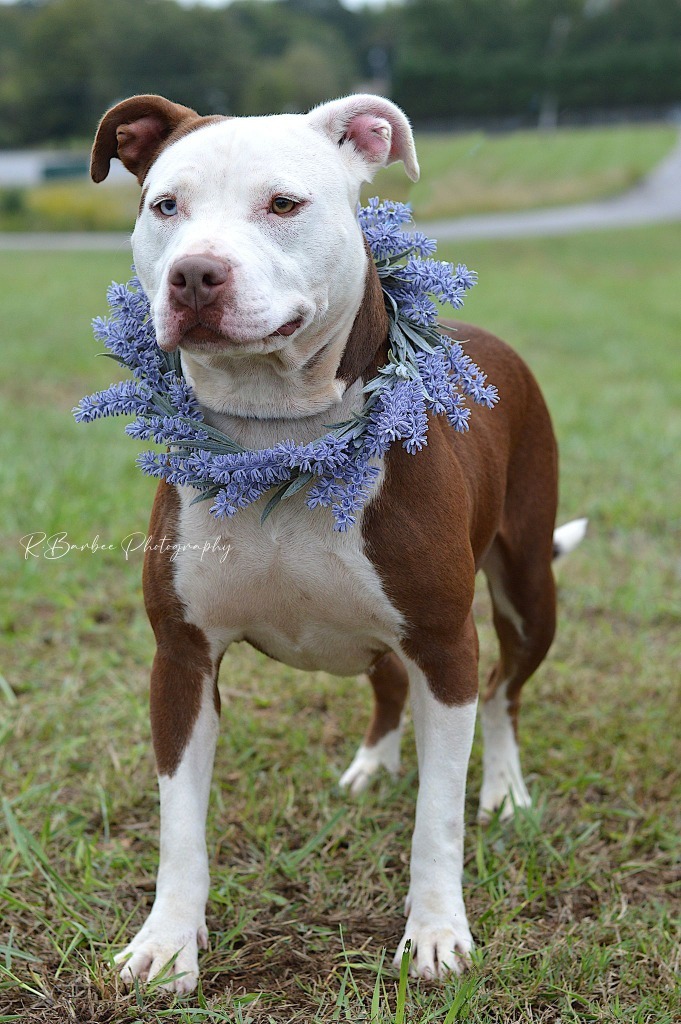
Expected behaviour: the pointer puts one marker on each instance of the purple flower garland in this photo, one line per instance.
(426, 372)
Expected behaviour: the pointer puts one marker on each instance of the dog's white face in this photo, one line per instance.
(270, 202)
(248, 246)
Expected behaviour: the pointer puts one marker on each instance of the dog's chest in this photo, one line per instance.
(294, 588)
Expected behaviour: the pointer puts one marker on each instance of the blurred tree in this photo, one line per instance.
(82, 55)
(62, 62)
(13, 24)
(510, 57)
(298, 60)
(302, 77)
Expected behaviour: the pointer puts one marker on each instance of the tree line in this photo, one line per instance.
(62, 62)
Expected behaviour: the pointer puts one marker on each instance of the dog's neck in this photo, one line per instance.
(297, 390)
(369, 334)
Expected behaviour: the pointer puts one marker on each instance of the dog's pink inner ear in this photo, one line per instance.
(372, 136)
(378, 130)
(137, 140)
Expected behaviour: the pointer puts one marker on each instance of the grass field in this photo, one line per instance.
(460, 174)
(479, 173)
(575, 906)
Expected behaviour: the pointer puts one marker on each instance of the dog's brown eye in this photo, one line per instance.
(280, 204)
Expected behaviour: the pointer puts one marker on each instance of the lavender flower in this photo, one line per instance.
(426, 373)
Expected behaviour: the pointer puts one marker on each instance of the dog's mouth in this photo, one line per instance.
(287, 329)
(201, 336)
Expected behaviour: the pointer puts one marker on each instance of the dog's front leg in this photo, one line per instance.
(184, 718)
(443, 703)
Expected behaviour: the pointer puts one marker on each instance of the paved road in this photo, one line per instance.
(65, 241)
(656, 200)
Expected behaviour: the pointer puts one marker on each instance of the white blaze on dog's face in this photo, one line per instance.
(247, 241)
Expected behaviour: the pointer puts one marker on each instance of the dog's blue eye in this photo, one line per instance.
(168, 207)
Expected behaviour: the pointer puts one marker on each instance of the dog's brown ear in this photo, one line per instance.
(135, 131)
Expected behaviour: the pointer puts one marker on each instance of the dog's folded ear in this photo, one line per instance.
(134, 131)
(373, 131)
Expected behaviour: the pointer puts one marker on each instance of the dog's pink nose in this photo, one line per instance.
(196, 281)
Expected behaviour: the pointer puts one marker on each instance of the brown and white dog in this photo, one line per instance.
(248, 246)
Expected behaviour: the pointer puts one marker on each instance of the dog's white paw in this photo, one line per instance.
(360, 773)
(368, 760)
(151, 953)
(438, 948)
(504, 794)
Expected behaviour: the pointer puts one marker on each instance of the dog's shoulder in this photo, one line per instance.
(495, 357)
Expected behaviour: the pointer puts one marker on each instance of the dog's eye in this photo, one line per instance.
(168, 207)
(282, 204)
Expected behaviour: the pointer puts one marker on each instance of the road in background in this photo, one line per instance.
(656, 200)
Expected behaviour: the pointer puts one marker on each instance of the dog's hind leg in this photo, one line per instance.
(381, 745)
(520, 578)
(521, 585)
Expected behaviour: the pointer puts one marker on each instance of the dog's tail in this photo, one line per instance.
(566, 538)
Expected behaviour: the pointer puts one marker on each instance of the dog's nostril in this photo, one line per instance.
(177, 279)
(213, 278)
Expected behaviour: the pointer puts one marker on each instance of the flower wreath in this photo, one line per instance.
(426, 372)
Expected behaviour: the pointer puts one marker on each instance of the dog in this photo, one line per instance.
(248, 247)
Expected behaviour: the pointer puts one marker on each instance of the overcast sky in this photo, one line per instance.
(346, 3)
(222, 3)
(352, 4)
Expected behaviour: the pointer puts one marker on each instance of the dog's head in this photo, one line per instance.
(247, 241)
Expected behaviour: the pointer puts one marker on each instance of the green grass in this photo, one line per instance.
(574, 906)
(479, 173)
(77, 205)
(460, 174)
